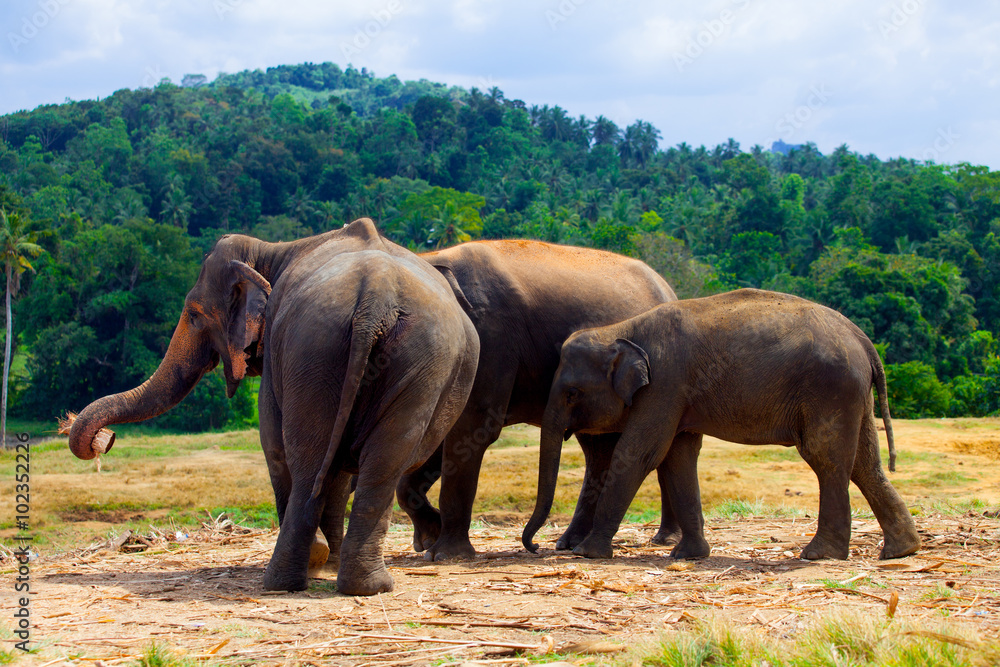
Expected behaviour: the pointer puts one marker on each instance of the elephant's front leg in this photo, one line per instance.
(597, 453)
(411, 494)
(641, 448)
(463, 459)
(464, 447)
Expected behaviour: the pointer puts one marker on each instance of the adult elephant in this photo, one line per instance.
(749, 366)
(524, 298)
(366, 360)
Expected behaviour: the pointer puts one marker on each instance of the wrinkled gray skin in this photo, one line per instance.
(749, 366)
(366, 360)
(524, 298)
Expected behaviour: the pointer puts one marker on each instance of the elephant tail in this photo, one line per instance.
(883, 402)
(366, 328)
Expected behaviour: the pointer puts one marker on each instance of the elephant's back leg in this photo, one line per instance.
(670, 531)
(272, 443)
(305, 432)
(898, 529)
(681, 495)
(273, 446)
(297, 546)
(332, 520)
(390, 447)
(828, 443)
(462, 460)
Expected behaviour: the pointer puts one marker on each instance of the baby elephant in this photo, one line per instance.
(749, 366)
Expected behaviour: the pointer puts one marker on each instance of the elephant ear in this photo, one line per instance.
(629, 369)
(249, 292)
(449, 275)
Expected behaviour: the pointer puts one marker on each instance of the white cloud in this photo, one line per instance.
(899, 71)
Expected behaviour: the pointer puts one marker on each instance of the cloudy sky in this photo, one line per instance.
(912, 78)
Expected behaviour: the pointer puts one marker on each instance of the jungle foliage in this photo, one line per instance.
(127, 193)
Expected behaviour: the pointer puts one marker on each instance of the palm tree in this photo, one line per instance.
(16, 246)
(301, 206)
(623, 208)
(583, 130)
(328, 213)
(593, 204)
(639, 143)
(447, 226)
(380, 196)
(177, 208)
(605, 132)
(129, 207)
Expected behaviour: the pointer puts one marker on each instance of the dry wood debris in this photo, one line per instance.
(200, 594)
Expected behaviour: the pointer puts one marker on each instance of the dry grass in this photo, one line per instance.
(179, 478)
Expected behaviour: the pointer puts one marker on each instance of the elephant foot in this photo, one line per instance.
(691, 548)
(566, 544)
(569, 540)
(820, 548)
(277, 580)
(449, 550)
(352, 582)
(900, 546)
(424, 538)
(591, 548)
(426, 531)
(666, 536)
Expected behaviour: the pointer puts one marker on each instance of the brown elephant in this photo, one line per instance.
(749, 366)
(524, 298)
(366, 360)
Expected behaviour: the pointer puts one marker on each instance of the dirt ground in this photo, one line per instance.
(100, 601)
(201, 595)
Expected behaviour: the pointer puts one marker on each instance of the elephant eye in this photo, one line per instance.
(572, 393)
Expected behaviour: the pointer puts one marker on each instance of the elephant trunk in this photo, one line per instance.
(553, 430)
(188, 358)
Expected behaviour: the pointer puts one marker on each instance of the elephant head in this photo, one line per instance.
(223, 319)
(591, 393)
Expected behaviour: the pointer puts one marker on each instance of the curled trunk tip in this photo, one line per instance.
(85, 441)
(553, 427)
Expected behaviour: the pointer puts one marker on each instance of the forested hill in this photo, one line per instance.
(126, 193)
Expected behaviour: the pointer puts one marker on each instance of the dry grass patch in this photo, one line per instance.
(942, 463)
(833, 640)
